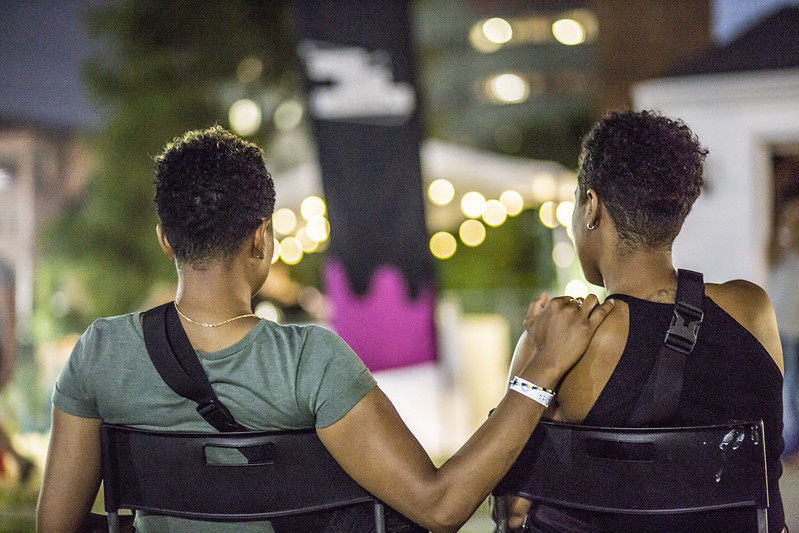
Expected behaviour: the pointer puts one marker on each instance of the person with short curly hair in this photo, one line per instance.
(215, 200)
(211, 191)
(648, 170)
(640, 172)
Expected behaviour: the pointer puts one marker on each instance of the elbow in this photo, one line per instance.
(446, 519)
(445, 525)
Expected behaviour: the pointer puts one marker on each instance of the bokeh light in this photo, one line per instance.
(472, 232)
(249, 69)
(268, 311)
(288, 115)
(245, 117)
(544, 187)
(441, 192)
(443, 245)
(564, 213)
(563, 254)
(480, 42)
(276, 252)
(284, 221)
(494, 213)
(290, 251)
(472, 204)
(318, 229)
(576, 289)
(307, 244)
(513, 202)
(547, 214)
(312, 207)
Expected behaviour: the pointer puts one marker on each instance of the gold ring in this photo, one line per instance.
(579, 301)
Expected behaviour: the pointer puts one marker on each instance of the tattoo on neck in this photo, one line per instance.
(663, 296)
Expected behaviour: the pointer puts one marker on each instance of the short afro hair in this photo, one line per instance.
(647, 171)
(212, 190)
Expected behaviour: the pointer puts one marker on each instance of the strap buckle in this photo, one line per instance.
(216, 414)
(684, 329)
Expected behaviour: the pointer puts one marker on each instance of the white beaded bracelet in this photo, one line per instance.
(541, 395)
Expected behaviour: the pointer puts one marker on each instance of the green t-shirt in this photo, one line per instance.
(276, 377)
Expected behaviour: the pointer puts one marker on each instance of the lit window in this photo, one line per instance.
(497, 30)
(508, 88)
(568, 31)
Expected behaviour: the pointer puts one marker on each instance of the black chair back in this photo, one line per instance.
(642, 471)
(224, 476)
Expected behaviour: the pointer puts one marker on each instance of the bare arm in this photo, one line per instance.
(71, 474)
(376, 448)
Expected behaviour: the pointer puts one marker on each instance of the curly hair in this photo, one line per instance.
(212, 190)
(647, 170)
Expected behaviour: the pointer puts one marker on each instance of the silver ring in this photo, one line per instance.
(579, 301)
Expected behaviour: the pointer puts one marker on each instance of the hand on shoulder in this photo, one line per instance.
(562, 330)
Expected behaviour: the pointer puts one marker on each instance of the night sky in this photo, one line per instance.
(42, 45)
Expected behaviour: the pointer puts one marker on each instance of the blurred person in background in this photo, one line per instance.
(640, 173)
(784, 291)
(8, 355)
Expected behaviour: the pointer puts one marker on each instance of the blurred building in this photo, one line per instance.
(742, 100)
(41, 169)
(528, 78)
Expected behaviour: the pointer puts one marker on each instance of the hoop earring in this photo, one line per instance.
(590, 227)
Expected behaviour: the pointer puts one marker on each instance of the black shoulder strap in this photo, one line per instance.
(661, 394)
(177, 363)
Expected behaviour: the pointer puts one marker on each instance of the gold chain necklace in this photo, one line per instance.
(206, 325)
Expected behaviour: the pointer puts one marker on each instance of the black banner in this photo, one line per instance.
(364, 106)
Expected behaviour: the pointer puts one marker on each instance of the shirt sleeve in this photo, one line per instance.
(331, 377)
(72, 393)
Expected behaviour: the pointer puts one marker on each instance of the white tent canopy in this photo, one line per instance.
(468, 169)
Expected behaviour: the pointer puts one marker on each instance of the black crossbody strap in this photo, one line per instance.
(176, 362)
(661, 394)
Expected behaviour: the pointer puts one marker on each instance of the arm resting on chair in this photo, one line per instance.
(376, 448)
(71, 475)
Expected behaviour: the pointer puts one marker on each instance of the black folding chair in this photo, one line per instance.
(224, 476)
(642, 471)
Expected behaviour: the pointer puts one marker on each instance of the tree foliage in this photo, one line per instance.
(166, 66)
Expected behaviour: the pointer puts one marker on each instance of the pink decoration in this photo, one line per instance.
(385, 327)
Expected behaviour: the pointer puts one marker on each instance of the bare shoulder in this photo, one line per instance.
(743, 300)
(751, 307)
(583, 384)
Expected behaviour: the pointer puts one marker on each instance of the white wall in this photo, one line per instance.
(738, 117)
